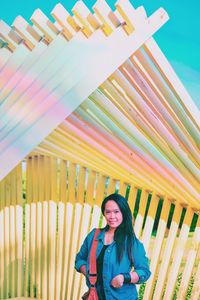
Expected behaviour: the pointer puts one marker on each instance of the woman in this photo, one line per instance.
(117, 252)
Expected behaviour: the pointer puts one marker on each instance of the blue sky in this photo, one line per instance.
(179, 38)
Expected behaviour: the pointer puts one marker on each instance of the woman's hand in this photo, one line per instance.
(117, 281)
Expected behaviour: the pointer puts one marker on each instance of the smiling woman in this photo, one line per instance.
(120, 257)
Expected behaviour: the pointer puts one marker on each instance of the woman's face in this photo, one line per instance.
(113, 214)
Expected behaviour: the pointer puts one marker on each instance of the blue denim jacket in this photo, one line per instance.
(112, 267)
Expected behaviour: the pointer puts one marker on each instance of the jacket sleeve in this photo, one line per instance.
(82, 255)
(140, 261)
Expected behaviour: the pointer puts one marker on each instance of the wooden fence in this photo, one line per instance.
(47, 206)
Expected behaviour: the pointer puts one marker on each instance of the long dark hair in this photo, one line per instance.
(125, 229)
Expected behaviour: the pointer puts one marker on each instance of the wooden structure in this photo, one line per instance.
(90, 105)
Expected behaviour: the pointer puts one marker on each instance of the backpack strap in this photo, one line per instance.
(93, 265)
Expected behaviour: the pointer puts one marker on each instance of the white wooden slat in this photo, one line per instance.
(103, 11)
(2, 252)
(148, 227)
(44, 251)
(67, 230)
(177, 256)
(73, 250)
(44, 24)
(27, 249)
(81, 12)
(195, 242)
(60, 14)
(196, 290)
(157, 248)
(9, 36)
(51, 249)
(32, 248)
(60, 247)
(24, 29)
(12, 267)
(19, 249)
(162, 273)
(84, 226)
(133, 17)
(38, 248)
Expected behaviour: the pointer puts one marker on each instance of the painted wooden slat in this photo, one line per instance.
(52, 212)
(148, 227)
(60, 14)
(100, 190)
(2, 237)
(102, 10)
(81, 12)
(189, 263)
(44, 24)
(111, 186)
(162, 273)
(67, 230)
(11, 38)
(195, 290)
(23, 28)
(140, 216)
(154, 261)
(132, 197)
(122, 188)
(132, 17)
(178, 254)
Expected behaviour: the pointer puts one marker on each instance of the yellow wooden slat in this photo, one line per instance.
(63, 181)
(196, 290)
(162, 273)
(71, 182)
(122, 188)
(111, 186)
(53, 175)
(132, 197)
(192, 254)
(100, 189)
(141, 212)
(148, 227)
(47, 178)
(157, 247)
(81, 184)
(90, 187)
(178, 254)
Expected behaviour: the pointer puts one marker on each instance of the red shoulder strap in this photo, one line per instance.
(93, 265)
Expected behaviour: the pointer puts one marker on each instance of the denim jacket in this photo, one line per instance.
(112, 267)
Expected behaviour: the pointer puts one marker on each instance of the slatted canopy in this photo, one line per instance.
(106, 76)
(92, 91)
